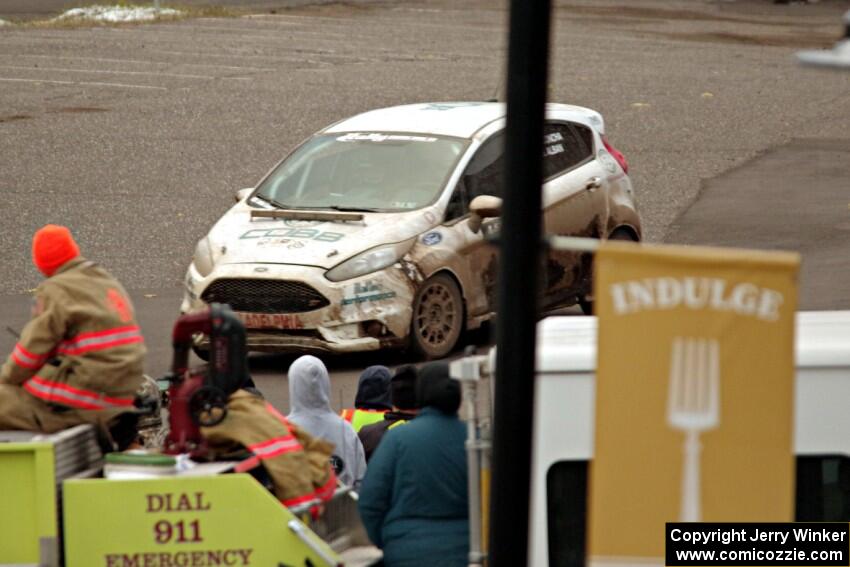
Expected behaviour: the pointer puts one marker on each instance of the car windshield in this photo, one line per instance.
(363, 171)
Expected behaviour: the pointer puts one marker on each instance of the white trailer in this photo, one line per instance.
(564, 429)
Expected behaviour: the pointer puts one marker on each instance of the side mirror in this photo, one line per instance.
(483, 207)
(242, 193)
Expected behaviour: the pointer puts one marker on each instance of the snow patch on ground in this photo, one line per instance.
(117, 14)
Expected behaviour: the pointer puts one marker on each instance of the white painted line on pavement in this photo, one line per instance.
(108, 60)
(265, 31)
(243, 33)
(104, 71)
(230, 56)
(380, 23)
(84, 83)
(289, 17)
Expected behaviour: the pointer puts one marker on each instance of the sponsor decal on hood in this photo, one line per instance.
(322, 244)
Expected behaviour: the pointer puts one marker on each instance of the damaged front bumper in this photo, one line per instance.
(287, 308)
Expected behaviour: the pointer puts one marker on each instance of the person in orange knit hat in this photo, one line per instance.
(80, 357)
(53, 246)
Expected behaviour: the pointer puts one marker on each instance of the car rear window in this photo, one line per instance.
(566, 506)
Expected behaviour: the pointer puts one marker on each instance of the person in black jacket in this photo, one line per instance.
(405, 408)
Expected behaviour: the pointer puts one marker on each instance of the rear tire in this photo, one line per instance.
(586, 305)
(584, 302)
(438, 317)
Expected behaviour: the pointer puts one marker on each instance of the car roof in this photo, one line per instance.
(459, 119)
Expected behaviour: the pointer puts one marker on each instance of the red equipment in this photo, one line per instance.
(198, 396)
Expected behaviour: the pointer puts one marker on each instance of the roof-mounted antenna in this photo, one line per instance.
(499, 90)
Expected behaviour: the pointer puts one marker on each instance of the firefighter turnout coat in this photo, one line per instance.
(79, 359)
(298, 464)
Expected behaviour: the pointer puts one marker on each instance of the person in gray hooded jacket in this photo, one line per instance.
(310, 409)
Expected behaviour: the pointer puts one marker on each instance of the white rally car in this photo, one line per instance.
(372, 233)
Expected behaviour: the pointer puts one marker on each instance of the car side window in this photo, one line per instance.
(565, 145)
(586, 136)
(457, 204)
(484, 175)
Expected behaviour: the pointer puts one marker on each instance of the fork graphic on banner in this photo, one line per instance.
(693, 406)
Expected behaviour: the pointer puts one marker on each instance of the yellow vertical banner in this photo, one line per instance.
(694, 394)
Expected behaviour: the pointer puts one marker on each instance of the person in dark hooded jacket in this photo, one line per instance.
(372, 399)
(413, 500)
(405, 408)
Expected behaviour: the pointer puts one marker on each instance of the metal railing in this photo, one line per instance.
(339, 523)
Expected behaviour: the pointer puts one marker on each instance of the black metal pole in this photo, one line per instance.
(528, 57)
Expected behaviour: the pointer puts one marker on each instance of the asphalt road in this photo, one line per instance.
(801, 188)
(138, 136)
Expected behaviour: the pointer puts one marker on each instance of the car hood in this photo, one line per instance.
(238, 238)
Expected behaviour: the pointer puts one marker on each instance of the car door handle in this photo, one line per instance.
(593, 184)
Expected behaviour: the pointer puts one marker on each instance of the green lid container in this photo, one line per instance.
(138, 465)
(141, 459)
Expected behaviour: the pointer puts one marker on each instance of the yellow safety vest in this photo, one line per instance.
(360, 417)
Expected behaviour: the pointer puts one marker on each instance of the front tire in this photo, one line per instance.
(438, 317)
